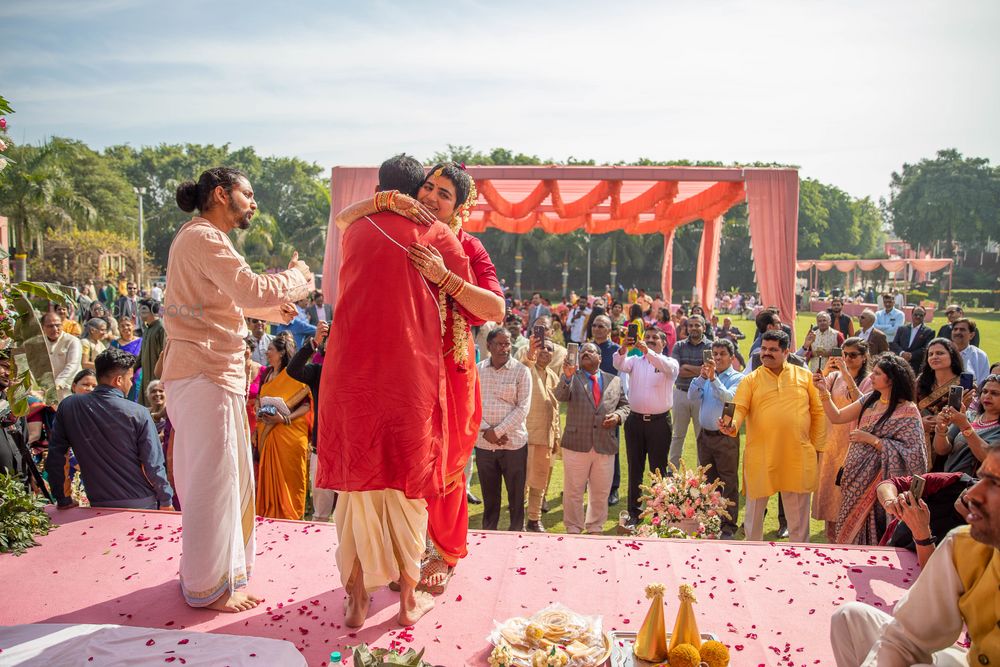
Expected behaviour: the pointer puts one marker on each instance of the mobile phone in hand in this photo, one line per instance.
(965, 380)
(917, 487)
(836, 352)
(538, 331)
(573, 354)
(706, 356)
(728, 412)
(633, 332)
(955, 397)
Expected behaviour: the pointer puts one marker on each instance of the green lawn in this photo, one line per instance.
(989, 324)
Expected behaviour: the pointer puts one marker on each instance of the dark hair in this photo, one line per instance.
(727, 344)
(635, 312)
(152, 305)
(494, 333)
(113, 361)
(285, 345)
(971, 324)
(664, 315)
(458, 176)
(780, 336)
(903, 385)
(191, 195)
(401, 172)
(86, 372)
(764, 319)
(993, 377)
(861, 344)
(251, 342)
(658, 333)
(925, 381)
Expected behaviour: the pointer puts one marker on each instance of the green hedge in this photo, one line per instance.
(974, 298)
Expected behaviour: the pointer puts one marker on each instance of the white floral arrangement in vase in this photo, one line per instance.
(684, 505)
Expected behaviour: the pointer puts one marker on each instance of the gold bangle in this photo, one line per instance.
(444, 279)
(969, 432)
(461, 288)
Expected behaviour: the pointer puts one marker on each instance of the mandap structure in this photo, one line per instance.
(638, 200)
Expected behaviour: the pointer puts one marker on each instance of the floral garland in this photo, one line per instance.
(459, 326)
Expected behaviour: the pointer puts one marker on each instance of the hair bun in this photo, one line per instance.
(187, 196)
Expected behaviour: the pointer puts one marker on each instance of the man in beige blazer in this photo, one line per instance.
(596, 404)
(64, 353)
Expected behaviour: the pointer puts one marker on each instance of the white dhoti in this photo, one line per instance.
(384, 530)
(213, 471)
(855, 630)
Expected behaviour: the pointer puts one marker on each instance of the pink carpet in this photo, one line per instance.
(770, 602)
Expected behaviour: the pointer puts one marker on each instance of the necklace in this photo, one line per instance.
(979, 423)
(883, 401)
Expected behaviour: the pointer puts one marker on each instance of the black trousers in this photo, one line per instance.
(503, 467)
(722, 452)
(645, 440)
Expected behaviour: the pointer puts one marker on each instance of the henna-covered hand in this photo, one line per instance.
(410, 208)
(428, 261)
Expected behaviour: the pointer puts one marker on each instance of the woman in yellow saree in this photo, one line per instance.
(283, 439)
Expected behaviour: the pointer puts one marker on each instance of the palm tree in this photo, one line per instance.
(36, 194)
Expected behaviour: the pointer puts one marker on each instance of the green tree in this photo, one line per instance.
(949, 198)
(40, 194)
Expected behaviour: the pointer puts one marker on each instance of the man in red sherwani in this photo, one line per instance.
(383, 421)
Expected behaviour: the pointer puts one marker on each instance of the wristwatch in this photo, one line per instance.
(925, 543)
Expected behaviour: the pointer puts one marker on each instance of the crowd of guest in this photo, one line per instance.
(92, 439)
(855, 404)
(858, 402)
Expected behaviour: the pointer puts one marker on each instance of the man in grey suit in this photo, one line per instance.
(536, 309)
(596, 406)
(318, 311)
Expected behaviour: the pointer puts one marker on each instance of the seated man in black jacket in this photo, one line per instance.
(115, 442)
(301, 369)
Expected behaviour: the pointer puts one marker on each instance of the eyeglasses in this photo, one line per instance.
(853, 355)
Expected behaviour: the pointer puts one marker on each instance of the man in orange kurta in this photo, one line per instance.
(383, 420)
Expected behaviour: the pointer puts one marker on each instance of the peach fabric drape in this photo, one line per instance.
(347, 185)
(708, 262)
(929, 265)
(773, 208)
(667, 271)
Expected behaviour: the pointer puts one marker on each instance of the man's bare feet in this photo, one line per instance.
(412, 607)
(356, 609)
(357, 600)
(235, 603)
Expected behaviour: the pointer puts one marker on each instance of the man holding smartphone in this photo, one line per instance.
(714, 387)
(689, 353)
(648, 427)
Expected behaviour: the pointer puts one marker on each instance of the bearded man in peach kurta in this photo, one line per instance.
(210, 292)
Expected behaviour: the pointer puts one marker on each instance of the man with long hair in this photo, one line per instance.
(212, 291)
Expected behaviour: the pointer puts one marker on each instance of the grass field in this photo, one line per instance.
(988, 322)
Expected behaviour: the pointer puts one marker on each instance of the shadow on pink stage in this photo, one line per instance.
(770, 602)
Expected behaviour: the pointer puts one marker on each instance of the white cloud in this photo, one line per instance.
(849, 92)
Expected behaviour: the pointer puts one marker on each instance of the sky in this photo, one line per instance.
(848, 90)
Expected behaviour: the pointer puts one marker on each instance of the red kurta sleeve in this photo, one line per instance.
(482, 268)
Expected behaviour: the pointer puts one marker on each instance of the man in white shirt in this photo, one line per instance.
(578, 321)
(501, 453)
(890, 318)
(648, 427)
(258, 331)
(957, 588)
(974, 359)
(157, 292)
(65, 352)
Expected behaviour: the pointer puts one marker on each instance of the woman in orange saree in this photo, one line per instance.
(283, 438)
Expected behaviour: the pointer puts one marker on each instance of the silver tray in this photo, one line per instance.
(623, 656)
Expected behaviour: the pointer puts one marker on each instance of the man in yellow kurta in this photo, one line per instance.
(957, 588)
(786, 429)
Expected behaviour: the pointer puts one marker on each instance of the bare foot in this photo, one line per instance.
(356, 610)
(412, 607)
(235, 603)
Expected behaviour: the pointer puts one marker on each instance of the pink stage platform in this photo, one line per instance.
(771, 602)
